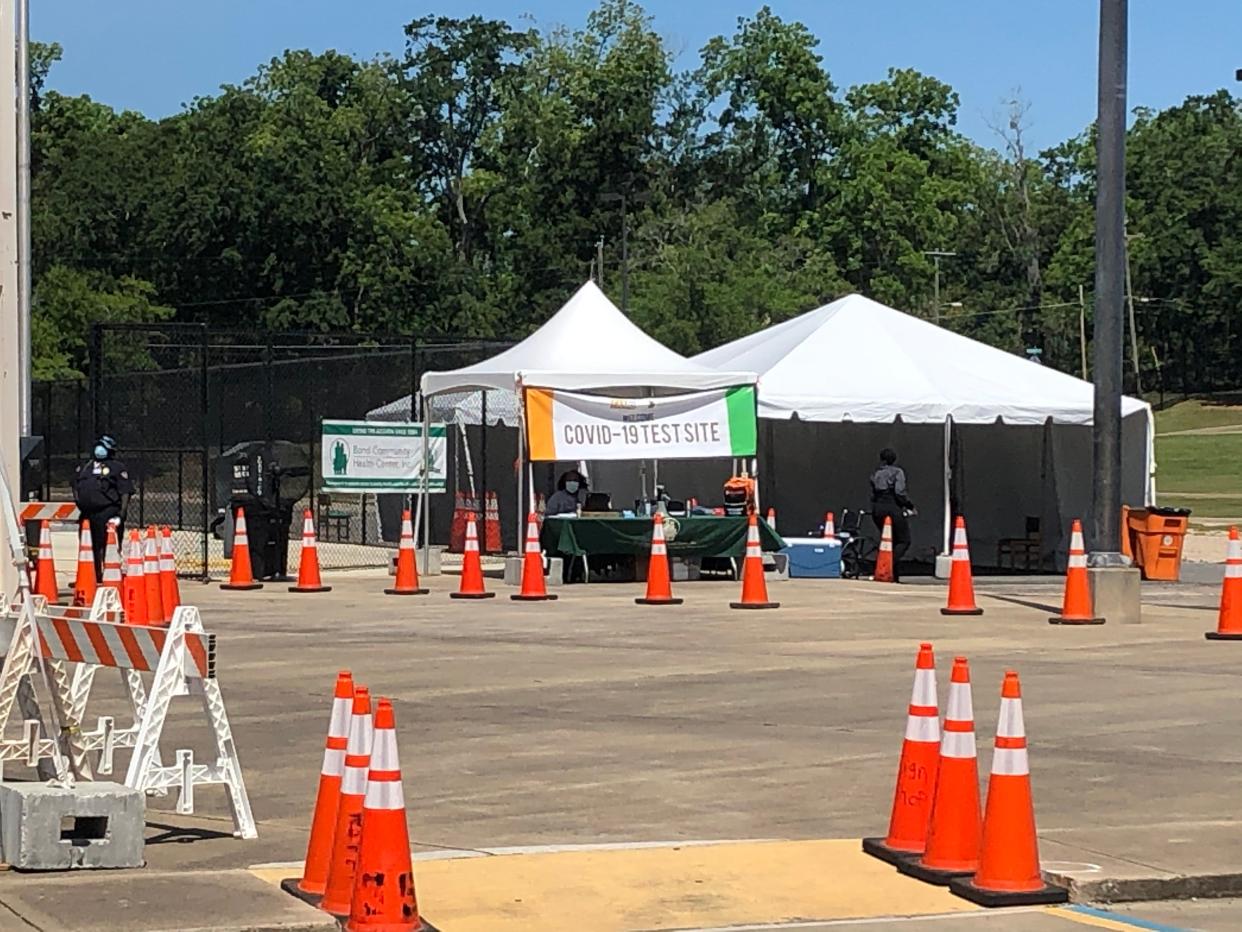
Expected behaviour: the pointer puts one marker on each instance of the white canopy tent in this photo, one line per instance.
(589, 345)
(857, 362)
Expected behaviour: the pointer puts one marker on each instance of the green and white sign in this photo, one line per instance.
(382, 456)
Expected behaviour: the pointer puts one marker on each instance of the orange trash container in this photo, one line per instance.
(1154, 537)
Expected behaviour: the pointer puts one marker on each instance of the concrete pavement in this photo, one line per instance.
(594, 720)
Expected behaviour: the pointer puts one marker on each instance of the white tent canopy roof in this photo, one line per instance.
(458, 408)
(858, 360)
(587, 345)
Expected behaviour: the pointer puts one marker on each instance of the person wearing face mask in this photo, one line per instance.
(570, 492)
(102, 488)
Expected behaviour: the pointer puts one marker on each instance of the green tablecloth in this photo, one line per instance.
(698, 536)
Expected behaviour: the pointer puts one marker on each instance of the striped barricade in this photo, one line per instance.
(48, 511)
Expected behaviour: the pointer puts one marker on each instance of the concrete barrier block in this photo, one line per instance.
(56, 828)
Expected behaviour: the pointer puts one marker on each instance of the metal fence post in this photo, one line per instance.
(95, 365)
(204, 399)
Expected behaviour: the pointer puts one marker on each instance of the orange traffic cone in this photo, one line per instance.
(347, 835)
(308, 565)
(112, 562)
(1229, 623)
(170, 590)
(134, 589)
(151, 576)
(407, 572)
(240, 575)
(772, 519)
(384, 899)
(314, 878)
(471, 567)
(534, 586)
(45, 567)
(84, 584)
(659, 579)
(830, 527)
(956, 825)
(1008, 873)
(884, 562)
(1076, 608)
(916, 773)
(491, 513)
(754, 586)
(961, 584)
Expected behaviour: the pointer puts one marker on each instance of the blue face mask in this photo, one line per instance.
(571, 486)
(101, 452)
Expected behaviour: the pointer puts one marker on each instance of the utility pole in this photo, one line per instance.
(599, 263)
(24, 388)
(12, 375)
(624, 197)
(1110, 249)
(1082, 330)
(937, 255)
(1134, 348)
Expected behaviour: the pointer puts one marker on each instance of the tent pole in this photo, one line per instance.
(426, 486)
(948, 505)
(521, 461)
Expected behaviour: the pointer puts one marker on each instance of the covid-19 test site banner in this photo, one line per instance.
(572, 426)
(381, 456)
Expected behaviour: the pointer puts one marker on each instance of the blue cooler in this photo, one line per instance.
(813, 558)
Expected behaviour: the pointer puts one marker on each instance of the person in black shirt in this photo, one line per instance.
(889, 500)
(102, 488)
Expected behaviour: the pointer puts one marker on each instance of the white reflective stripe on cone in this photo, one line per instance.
(959, 538)
(333, 762)
(1077, 561)
(1011, 724)
(384, 751)
(658, 549)
(922, 728)
(384, 794)
(1076, 541)
(958, 744)
(924, 692)
(338, 724)
(355, 781)
(959, 708)
(1233, 570)
(1010, 762)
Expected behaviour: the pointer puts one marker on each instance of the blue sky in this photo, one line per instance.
(155, 55)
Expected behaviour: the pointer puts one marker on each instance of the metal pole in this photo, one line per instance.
(1134, 349)
(482, 500)
(625, 257)
(1082, 329)
(937, 255)
(204, 404)
(23, 215)
(1109, 281)
(937, 287)
(948, 486)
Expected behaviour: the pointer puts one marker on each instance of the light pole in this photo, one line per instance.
(937, 255)
(1110, 257)
(625, 198)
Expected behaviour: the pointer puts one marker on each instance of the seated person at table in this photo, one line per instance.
(571, 491)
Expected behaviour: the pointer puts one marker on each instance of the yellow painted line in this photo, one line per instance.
(730, 884)
(1099, 922)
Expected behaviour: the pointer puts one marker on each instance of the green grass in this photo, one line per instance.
(1222, 411)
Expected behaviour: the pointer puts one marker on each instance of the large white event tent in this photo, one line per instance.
(587, 346)
(981, 432)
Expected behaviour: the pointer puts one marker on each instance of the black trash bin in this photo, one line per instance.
(265, 480)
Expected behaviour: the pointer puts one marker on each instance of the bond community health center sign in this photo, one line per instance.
(380, 456)
(573, 426)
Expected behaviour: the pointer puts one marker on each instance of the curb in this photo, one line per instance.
(1142, 889)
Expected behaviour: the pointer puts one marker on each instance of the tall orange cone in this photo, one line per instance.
(659, 579)
(534, 586)
(830, 527)
(308, 565)
(84, 584)
(314, 878)
(151, 576)
(1229, 622)
(884, 561)
(1008, 873)
(956, 824)
(471, 567)
(170, 590)
(134, 589)
(347, 835)
(407, 572)
(961, 583)
(45, 567)
(384, 899)
(1076, 608)
(241, 577)
(916, 773)
(112, 562)
(754, 586)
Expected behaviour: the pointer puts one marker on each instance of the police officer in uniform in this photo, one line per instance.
(889, 500)
(102, 488)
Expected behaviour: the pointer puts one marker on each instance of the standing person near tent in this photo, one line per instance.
(101, 489)
(571, 490)
(889, 500)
